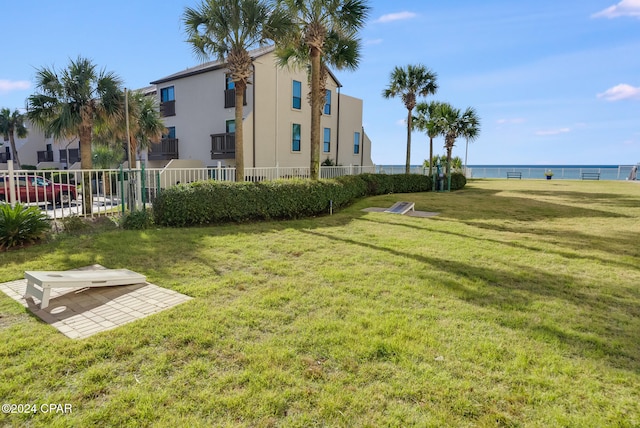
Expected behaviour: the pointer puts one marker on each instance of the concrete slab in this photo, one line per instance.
(79, 314)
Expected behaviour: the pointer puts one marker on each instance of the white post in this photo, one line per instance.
(12, 184)
(138, 185)
(219, 171)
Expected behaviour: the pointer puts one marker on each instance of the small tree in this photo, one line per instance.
(408, 84)
(70, 103)
(12, 124)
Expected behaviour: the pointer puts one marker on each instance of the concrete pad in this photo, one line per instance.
(79, 314)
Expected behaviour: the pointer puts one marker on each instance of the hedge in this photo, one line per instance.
(210, 202)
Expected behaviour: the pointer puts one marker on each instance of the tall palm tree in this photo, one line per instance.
(145, 125)
(68, 104)
(12, 124)
(325, 34)
(409, 84)
(227, 30)
(425, 120)
(454, 123)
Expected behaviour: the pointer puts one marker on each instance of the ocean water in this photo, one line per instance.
(560, 172)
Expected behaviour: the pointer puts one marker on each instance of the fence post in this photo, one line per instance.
(122, 201)
(12, 184)
(143, 182)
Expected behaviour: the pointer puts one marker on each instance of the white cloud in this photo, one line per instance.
(398, 16)
(14, 85)
(401, 122)
(373, 42)
(553, 131)
(621, 92)
(513, 120)
(624, 8)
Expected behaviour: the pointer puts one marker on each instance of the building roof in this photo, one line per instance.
(216, 65)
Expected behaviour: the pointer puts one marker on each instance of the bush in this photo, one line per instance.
(137, 220)
(207, 202)
(20, 225)
(74, 224)
(458, 181)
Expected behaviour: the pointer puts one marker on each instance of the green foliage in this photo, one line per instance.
(458, 181)
(208, 202)
(28, 167)
(137, 220)
(20, 225)
(74, 224)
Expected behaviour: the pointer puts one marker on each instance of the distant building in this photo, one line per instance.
(197, 106)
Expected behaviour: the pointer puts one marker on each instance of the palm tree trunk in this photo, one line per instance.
(316, 113)
(14, 150)
(240, 88)
(85, 165)
(430, 156)
(407, 167)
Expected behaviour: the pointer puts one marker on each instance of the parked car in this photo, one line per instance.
(38, 190)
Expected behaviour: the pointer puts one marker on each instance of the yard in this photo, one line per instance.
(519, 305)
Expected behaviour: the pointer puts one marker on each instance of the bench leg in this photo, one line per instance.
(42, 294)
(46, 292)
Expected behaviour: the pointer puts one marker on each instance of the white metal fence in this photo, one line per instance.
(100, 192)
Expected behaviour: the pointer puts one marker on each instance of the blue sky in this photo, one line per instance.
(554, 82)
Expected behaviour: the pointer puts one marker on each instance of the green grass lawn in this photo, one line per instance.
(519, 305)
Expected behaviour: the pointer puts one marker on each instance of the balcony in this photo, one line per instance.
(168, 108)
(166, 149)
(4, 157)
(230, 98)
(45, 156)
(223, 146)
(74, 156)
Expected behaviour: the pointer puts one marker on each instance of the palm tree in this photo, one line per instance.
(145, 125)
(12, 124)
(425, 121)
(227, 30)
(454, 123)
(324, 34)
(410, 83)
(69, 104)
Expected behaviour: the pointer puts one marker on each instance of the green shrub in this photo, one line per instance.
(20, 225)
(207, 202)
(74, 224)
(137, 220)
(28, 167)
(458, 181)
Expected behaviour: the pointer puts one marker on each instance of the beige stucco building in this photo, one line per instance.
(197, 106)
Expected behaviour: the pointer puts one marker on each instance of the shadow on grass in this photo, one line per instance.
(514, 290)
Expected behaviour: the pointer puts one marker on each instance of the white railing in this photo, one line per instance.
(621, 172)
(100, 192)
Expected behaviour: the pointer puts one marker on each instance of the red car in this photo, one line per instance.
(38, 190)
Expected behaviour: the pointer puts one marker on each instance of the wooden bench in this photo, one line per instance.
(514, 174)
(46, 280)
(591, 176)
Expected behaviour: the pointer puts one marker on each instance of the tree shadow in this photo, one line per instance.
(512, 290)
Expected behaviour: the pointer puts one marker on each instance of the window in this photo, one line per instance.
(228, 82)
(230, 126)
(327, 140)
(297, 95)
(171, 134)
(295, 137)
(167, 94)
(167, 102)
(356, 143)
(327, 102)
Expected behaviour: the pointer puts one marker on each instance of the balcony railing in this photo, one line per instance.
(168, 108)
(166, 149)
(230, 98)
(74, 156)
(45, 156)
(223, 146)
(4, 157)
